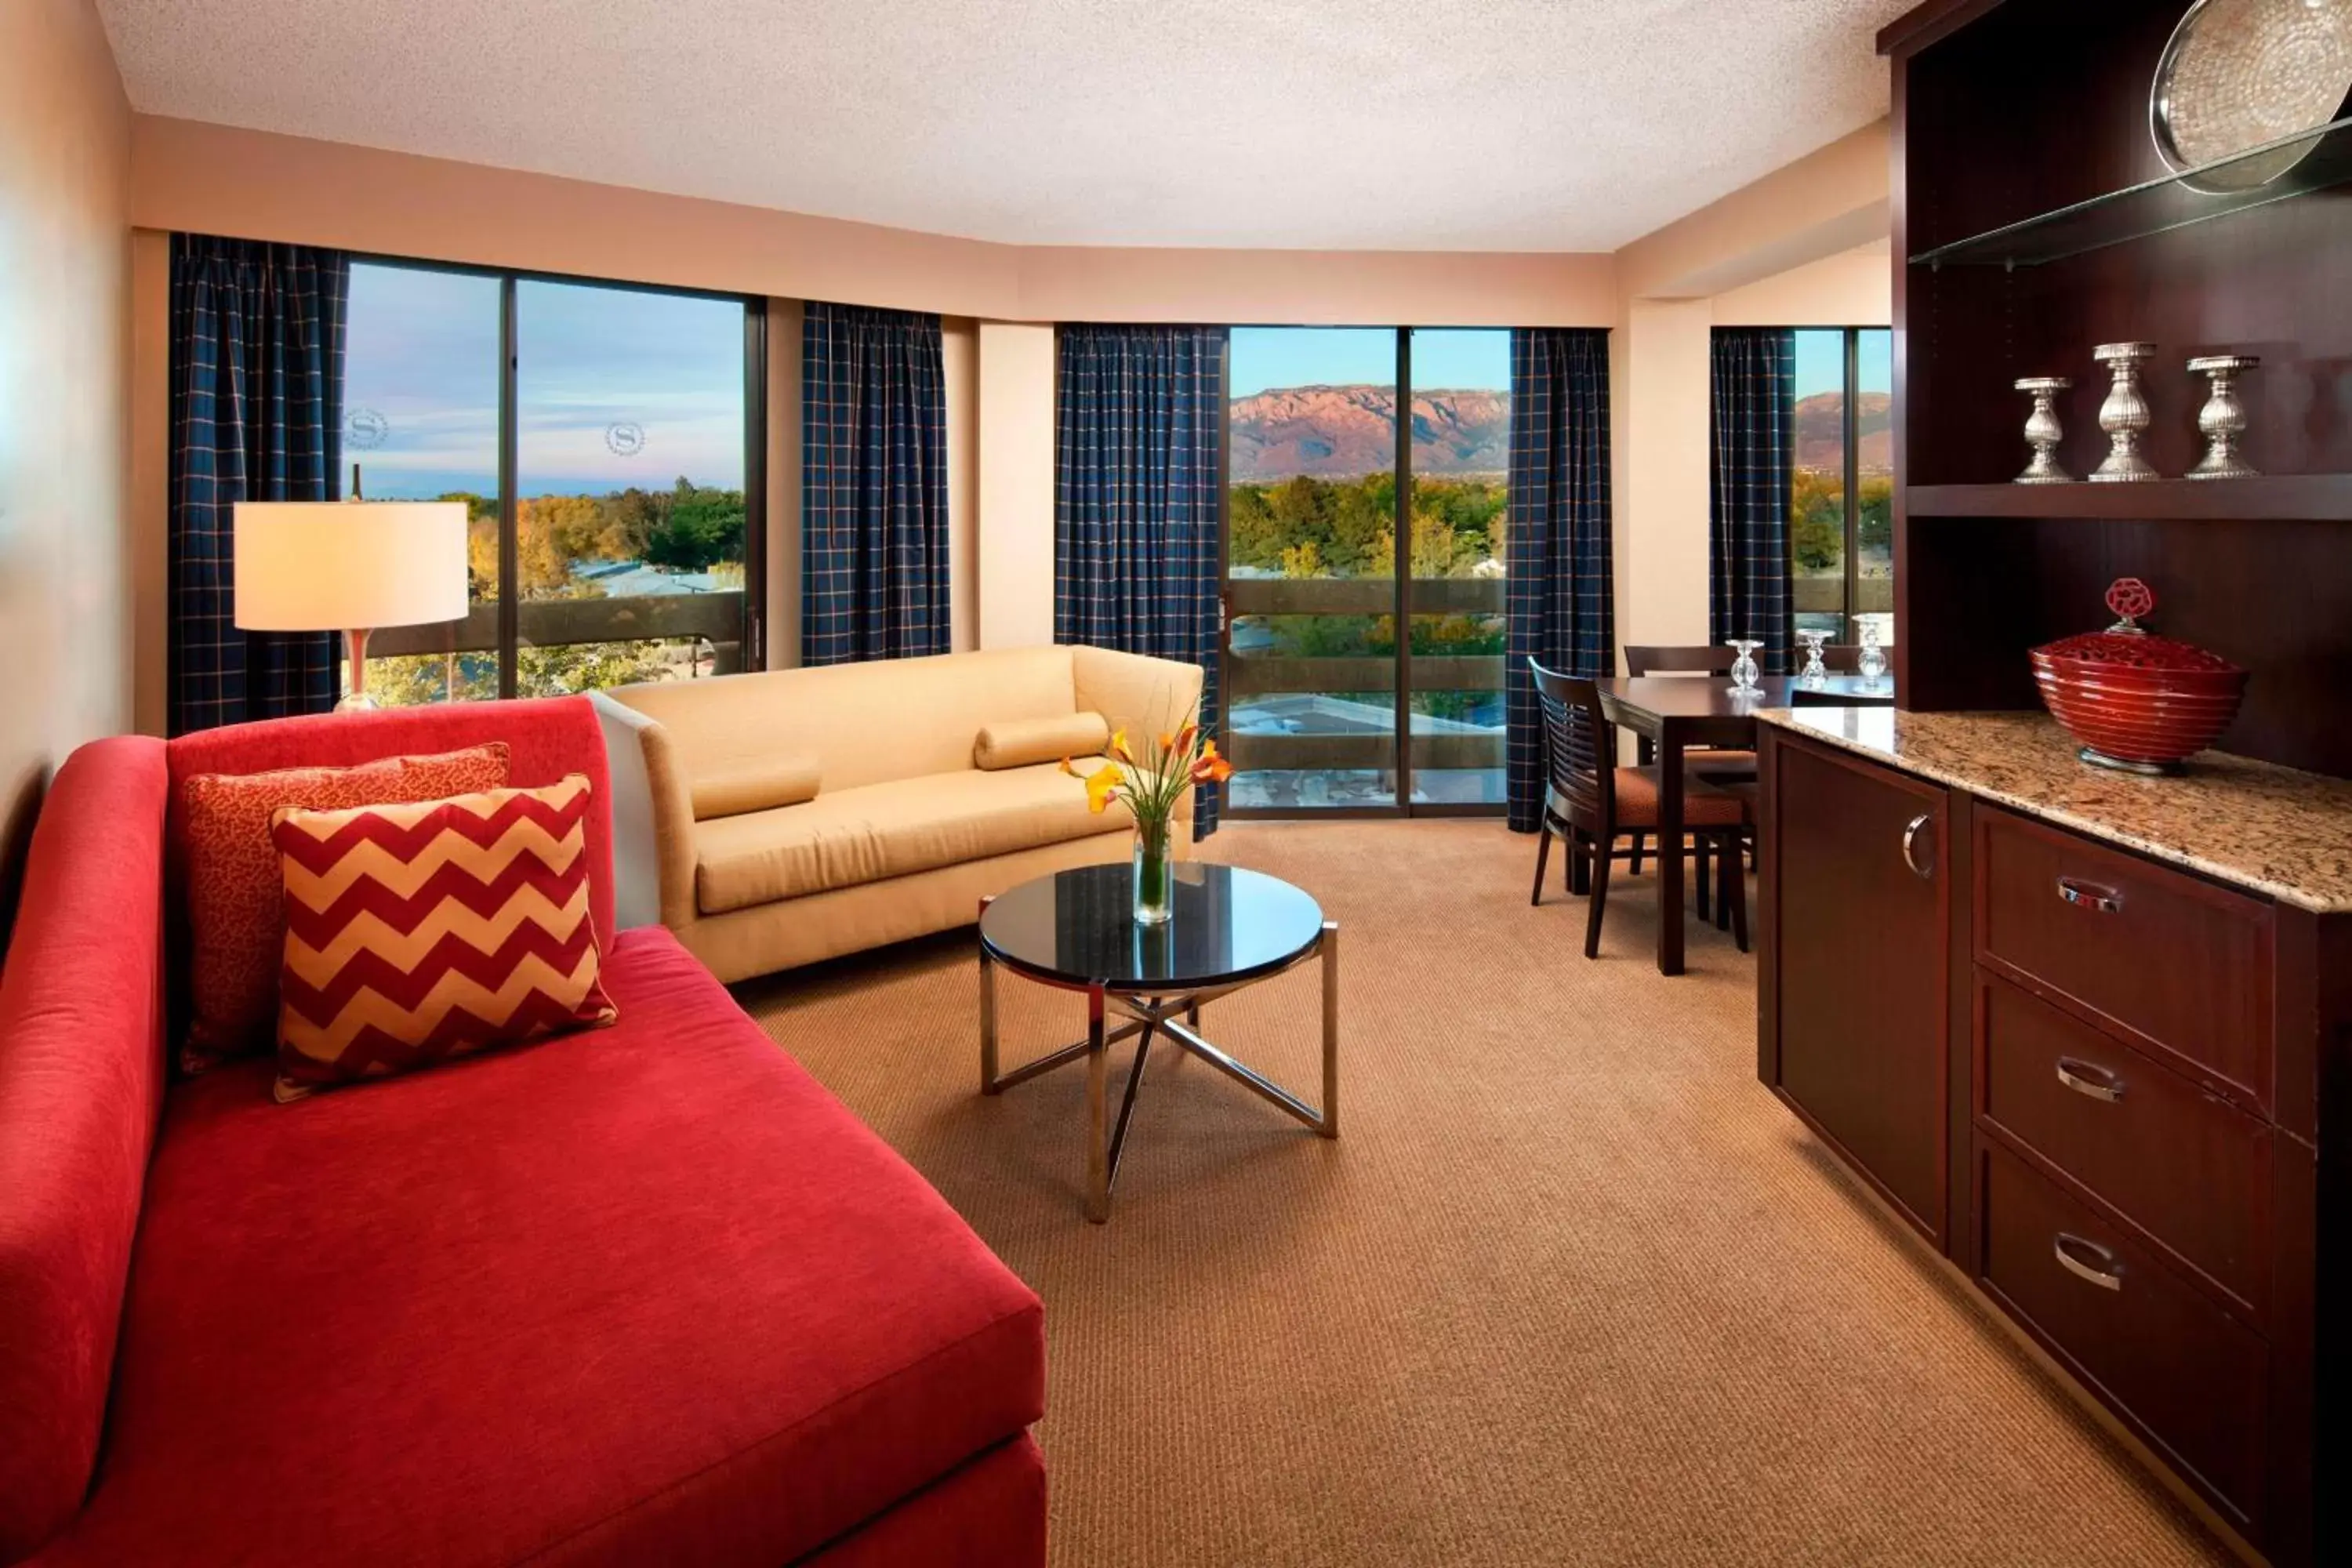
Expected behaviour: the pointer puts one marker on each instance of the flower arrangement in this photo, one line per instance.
(1151, 786)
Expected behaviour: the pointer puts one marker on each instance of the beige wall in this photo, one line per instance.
(1852, 288)
(65, 626)
(1015, 574)
(217, 179)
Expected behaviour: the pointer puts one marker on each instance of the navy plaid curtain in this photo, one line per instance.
(1137, 480)
(257, 366)
(1751, 445)
(1562, 593)
(873, 485)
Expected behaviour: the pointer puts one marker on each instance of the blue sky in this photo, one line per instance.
(1339, 356)
(1821, 361)
(422, 359)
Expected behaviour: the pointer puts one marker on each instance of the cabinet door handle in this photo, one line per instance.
(1911, 844)
(2090, 896)
(2098, 1082)
(2088, 1261)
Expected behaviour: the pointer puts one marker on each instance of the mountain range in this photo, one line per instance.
(1340, 432)
(1820, 432)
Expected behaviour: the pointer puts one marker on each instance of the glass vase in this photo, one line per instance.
(1871, 663)
(1743, 669)
(1154, 877)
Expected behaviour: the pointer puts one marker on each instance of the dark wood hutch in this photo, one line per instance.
(2088, 1041)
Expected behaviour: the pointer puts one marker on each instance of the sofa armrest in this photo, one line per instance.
(1133, 690)
(653, 819)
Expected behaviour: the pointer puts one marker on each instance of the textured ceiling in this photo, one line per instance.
(1372, 124)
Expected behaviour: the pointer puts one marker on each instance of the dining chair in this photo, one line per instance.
(1589, 802)
(1660, 659)
(1713, 765)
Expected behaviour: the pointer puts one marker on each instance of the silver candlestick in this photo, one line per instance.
(2043, 432)
(2223, 418)
(2125, 413)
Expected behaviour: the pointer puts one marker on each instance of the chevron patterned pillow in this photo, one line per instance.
(419, 932)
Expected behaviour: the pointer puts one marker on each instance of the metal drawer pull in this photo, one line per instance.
(1911, 832)
(2090, 896)
(2104, 1271)
(2098, 1082)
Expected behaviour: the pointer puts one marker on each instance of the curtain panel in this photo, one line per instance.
(1139, 483)
(1562, 589)
(873, 485)
(1752, 448)
(257, 414)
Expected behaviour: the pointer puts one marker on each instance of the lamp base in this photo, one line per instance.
(356, 699)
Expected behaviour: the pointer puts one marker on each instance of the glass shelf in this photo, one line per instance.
(2173, 202)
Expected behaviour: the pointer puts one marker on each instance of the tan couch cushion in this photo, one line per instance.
(1024, 743)
(755, 786)
(847, 837)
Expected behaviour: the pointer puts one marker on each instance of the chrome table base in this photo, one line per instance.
(1152, 1017)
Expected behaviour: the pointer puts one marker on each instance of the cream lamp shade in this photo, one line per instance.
(349, 567)
(333, 565)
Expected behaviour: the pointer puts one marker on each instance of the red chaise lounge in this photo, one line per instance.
(646, 1294)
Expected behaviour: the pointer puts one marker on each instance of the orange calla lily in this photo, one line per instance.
(1209, 767)
(1100, 784)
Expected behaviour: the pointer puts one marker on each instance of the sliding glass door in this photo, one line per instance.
(1321, 686)
(608, 441)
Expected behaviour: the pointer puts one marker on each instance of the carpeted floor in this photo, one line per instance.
(1571, 1287)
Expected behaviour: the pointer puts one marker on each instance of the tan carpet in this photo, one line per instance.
(1571, 1287)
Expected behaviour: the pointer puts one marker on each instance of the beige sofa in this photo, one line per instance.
(904, 835)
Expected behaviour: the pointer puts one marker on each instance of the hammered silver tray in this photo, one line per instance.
(2238, 73)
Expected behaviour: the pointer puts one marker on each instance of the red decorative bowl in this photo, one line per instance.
(2137, 702)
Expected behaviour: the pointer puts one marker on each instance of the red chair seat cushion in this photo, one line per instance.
(645, 1293)
(1637, 802)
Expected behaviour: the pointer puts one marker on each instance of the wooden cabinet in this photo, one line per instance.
(2095, 1082)
(1860, 1018)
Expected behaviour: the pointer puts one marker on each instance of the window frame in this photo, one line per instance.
(755, 441)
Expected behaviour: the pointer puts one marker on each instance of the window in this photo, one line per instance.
(610, 464)
(1318, 685)
(1841, 497)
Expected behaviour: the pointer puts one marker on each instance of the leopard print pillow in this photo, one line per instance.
(235, 924)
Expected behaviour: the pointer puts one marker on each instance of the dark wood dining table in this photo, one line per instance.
(1676, 712)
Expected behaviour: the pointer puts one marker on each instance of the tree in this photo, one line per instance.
(700, 529)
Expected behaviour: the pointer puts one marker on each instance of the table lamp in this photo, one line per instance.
(349, 566)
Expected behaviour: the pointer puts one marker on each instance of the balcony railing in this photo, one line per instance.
(714, 618)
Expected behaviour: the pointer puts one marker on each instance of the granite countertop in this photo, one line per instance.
(2273, 829)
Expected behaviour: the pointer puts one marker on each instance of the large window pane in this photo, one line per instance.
(1460, 433)
(421, 418)
(630, 512)
(1817, 498)
(1311, 566)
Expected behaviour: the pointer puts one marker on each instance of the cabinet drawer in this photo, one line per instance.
(2184, 965)
(2189, 1168)
(2191, 1379)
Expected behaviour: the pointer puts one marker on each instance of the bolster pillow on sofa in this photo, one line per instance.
(755, 786)
(1024, 743)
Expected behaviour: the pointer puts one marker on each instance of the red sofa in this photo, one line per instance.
(646, 1294)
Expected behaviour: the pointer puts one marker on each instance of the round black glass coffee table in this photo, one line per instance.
(1076, 930)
